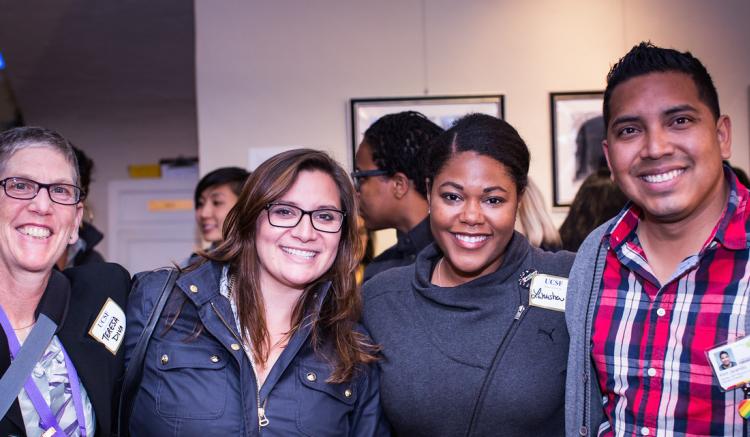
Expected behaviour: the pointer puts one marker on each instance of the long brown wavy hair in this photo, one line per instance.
(341, 308)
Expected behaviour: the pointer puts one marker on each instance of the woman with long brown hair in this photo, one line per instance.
(260, 338)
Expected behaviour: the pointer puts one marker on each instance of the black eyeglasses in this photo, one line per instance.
(282, 215)
(27, 189)
(358, 175)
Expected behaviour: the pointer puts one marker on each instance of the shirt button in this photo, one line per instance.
(194, 288)
(348, 393)
(660, 312)
(164, 359)
(311, 376)
(651, 372)
(645, 431)
(214, 359)
(235, 346)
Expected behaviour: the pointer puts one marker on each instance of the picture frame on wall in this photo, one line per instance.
(442, 110)
(577, 134)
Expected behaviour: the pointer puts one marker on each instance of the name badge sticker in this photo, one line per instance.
(549, 292)
(731, 363)
(109, 326)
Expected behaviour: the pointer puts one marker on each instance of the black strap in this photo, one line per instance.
(29, 354)
(134, 372)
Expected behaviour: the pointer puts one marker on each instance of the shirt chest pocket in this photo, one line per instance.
(192, 382)
(325, 409)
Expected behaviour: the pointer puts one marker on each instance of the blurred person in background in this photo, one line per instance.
(216, 194)
(534, 220)
(390, 181)
(82, 251)
(598, 200)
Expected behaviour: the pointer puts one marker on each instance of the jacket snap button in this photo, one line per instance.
(164, 359)
(348, 392)
(235, 347)
(214, 359)
(312, 377)
(194, 288)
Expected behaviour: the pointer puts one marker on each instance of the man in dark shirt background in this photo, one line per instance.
(390, 180)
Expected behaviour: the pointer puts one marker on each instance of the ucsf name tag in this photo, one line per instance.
(549, 292)
(109, 326)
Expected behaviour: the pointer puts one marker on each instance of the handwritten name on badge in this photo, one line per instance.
(109, 326)
(549, 292)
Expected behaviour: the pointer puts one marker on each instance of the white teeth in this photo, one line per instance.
(303, 253)
(471, 238)
(34, 231)
(663, 177)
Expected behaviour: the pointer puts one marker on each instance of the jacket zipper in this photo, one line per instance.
(491, 370)
(262, 419)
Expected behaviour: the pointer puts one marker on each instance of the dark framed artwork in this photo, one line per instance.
(577, 134)
(442, 110)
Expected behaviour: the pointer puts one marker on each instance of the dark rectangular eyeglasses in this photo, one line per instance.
(27, 189)
(358, 175)
(283, 215)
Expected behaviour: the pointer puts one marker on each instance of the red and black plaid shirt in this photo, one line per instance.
(649, 343)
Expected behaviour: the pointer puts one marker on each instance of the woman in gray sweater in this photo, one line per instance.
(473, 334)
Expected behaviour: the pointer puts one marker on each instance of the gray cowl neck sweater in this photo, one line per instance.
(439, 344)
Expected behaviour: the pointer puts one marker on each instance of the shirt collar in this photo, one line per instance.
(416, 239)
(730, 231)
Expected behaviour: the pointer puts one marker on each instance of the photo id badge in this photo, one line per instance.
(549, 292)
(731, 363)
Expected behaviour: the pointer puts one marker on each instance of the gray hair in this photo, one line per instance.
(19, 138)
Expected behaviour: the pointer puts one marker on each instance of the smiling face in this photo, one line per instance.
(473, 204)
(292, 258)
(212, 208)
(665, 149)
(34, 233)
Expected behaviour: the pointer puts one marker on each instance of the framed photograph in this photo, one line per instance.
(577, 134)
(442, 110)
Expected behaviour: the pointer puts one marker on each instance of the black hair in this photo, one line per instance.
(597, 200)
(485, 135)
(235, 177)
(646, 58)
(85, 168)
(741, 175)
(398, 140)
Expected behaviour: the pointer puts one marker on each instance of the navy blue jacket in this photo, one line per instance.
(197, 381)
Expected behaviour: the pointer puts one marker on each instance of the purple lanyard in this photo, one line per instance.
(46, 416)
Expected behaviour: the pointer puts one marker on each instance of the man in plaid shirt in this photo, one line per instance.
(670, 276)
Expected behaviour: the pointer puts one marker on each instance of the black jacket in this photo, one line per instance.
(73, 300)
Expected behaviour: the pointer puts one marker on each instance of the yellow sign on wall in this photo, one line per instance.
(170, 205)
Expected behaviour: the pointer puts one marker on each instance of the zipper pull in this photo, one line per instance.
(519, 312)
(262, 419)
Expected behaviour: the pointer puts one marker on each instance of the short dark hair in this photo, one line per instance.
(485, 135)
(398, 140)
(232, 176)
(19, 138)
(85, 168)
(646, 58)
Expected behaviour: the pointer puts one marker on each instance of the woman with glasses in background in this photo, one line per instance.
(71, 324)
(261, 338)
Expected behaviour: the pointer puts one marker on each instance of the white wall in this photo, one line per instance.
(281, 73)
(116, 78)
